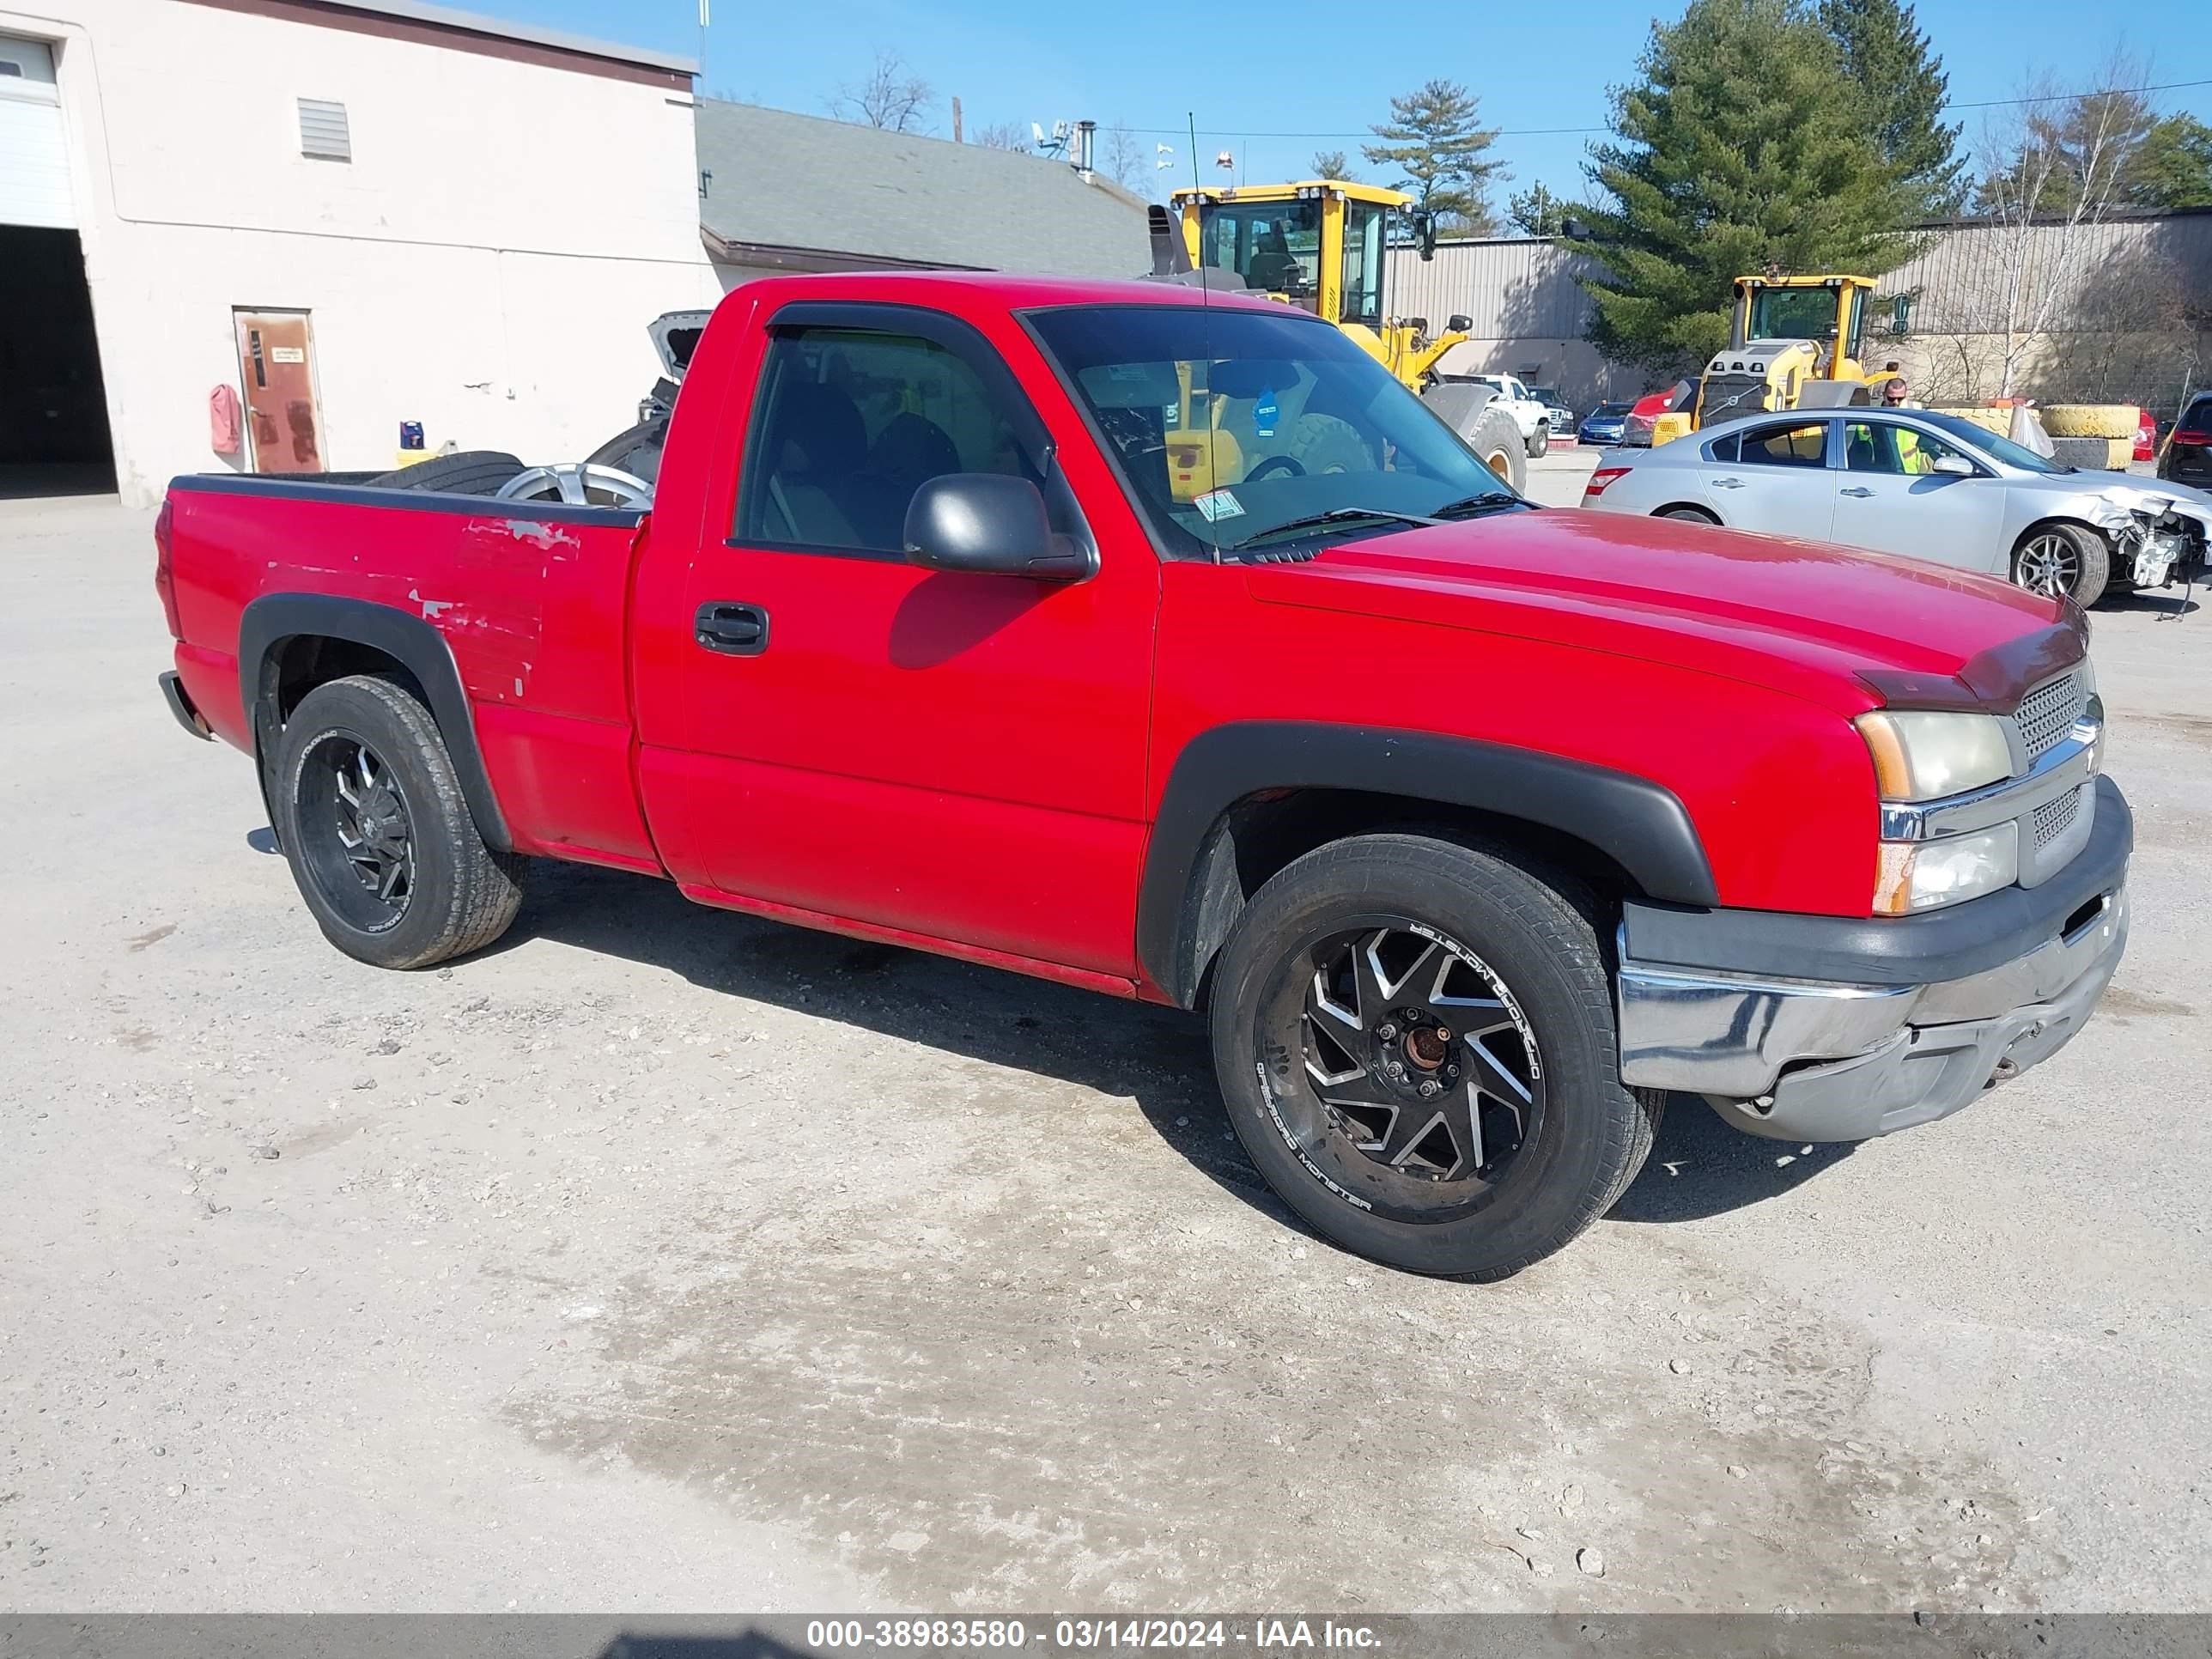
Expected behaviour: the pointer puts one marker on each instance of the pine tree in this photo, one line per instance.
(2171, 166)
(1536, 212)
(1437, 145)
(1887, 60)
(1731, 154)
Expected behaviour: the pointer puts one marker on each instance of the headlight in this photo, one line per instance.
(1919, 755)
(1920, 875)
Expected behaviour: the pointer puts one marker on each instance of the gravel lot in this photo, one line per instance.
(667, 1260)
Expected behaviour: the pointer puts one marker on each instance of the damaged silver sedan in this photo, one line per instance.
(1925, 485)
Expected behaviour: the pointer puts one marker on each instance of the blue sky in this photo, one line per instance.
(1313, 68)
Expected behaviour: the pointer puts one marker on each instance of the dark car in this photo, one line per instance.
(2187, 457)
(1603, 424)
(1557, 415)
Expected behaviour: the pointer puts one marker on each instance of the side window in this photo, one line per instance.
(1871, 446)
(1786, 446)
(1918, 452)
(1723, 449)
(850, 422)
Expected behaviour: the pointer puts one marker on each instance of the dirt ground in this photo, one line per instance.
(660, 1258)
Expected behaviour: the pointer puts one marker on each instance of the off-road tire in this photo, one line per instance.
(1495, 438)
(1326, 443)
(1541, 938)
(467, 472)
(2090, 420)
(2093, 561)
(460, 894)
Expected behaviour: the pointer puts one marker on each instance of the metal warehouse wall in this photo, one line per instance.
(1959, 284)
(1529, 315)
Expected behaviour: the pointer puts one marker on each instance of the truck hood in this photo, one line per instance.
(1850, 630)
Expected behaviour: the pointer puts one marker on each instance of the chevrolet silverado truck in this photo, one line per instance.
(1474, 829)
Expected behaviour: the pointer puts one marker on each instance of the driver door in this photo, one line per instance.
(1891, 499)
(948, 756)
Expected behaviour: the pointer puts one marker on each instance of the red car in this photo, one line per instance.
(1471, 828)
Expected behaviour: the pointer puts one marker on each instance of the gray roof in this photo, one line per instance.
(802, 192)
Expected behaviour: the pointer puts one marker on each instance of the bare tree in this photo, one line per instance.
(1002, 135)
(2052, 169)
(2132, 339)
(1123, 158)
(892, 97)
(1331, 164)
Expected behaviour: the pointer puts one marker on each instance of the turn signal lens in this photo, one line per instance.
(1923, 875)
(1921, 754)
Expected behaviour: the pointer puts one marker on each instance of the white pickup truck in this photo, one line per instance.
(1530, 413)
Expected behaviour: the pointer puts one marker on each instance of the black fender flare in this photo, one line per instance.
(274, 618)
(1641, 825)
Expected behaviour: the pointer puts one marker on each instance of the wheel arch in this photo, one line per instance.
(1245, 798)
(289, 643)
(1698, 508)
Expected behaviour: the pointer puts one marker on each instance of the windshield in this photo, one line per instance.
(1999, 449)
(1273, 246)
(1232, 423)
(1793, 313)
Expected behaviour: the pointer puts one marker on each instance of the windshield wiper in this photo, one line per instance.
(1487, 501)
(1313, 521)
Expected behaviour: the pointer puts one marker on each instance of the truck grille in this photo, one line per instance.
(2048, 713)
(2055, 817)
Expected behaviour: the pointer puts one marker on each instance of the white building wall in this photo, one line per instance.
(486, 263)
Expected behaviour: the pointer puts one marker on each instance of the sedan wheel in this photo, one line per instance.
(2063, 560)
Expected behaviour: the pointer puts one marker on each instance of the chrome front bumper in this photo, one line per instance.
(1848, 1058)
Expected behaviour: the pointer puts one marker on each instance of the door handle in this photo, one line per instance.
(1727, 484)
(1854, 489)
(736, 630)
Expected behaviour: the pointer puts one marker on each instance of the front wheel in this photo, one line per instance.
(2067, 559)
(381, 842)
(1539, 443)
(1415, 1041)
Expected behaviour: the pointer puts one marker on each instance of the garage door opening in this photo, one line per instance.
(54, 407)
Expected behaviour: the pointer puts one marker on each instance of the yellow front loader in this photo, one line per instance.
(1794, 342)
(1322, 245)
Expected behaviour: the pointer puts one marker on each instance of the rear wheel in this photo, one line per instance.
(1415, 1041)
(1688, 515)
(381, 842)
(2068, 559)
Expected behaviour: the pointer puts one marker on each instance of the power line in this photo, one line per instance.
(1570, 132)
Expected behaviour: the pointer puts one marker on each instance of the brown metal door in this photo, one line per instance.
(276, 367)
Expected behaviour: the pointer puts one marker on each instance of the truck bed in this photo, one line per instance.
(528, 598)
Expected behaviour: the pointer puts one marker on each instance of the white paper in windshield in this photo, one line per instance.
(1217, 505)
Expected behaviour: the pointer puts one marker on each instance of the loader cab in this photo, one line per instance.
(1321, 245)
(1830, 312)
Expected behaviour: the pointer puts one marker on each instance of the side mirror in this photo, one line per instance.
(1459, 323)
(986, 522)
(1953, 467)
(1425, 232)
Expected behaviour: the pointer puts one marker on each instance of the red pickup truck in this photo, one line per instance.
(1163, 644)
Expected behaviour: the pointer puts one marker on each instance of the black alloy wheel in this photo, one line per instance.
(1422, 1079)
(358, 838)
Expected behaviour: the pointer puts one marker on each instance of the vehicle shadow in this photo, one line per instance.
(1158, 1057)
(1702, 1165)
(2156, 600)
